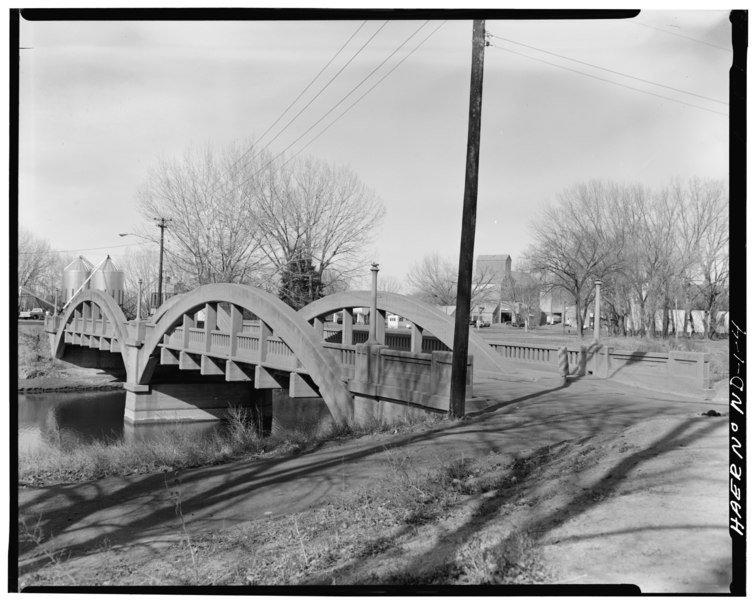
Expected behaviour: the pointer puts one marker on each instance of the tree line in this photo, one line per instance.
(297, 228)
(654, 250)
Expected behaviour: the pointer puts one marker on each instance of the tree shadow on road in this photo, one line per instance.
(490, 510)
(129, 511)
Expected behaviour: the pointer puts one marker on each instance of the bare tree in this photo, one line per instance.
(386, 283)
(39, 266)
(139, 264)
(323, 213)
(210, 197)
(433, 279)
(674, 237)
(710, 267)
(579, 240)
(240, 216)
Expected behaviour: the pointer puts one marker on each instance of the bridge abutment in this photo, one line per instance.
(369, 410)
(390, 386)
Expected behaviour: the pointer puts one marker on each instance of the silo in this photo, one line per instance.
(74, 275)
(109, 279)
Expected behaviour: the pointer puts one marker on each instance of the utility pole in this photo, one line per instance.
(162, 223)
(468, 222)
(596, 320)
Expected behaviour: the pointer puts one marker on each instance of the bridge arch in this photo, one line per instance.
(284, 321)
(107, 307)
(424, 315)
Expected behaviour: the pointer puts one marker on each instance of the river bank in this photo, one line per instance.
(69, 380)
(39, 372)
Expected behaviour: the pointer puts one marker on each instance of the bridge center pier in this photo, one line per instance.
(195, 402)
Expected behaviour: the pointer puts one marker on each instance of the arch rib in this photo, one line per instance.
(422, 314)
(295, 332)
(109, 308)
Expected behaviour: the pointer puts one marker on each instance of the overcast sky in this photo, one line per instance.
(101, 101)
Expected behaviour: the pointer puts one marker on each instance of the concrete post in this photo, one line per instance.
(416, 338)
(380, 327)
(596, 327)
(563, 362)
(347, 331)
(90, 321)
(265, 332)
(605, 366)
(372, 339)
(320, 327)
(582, 361)
(230, 320)
(139, 302)
(210, 323)
(188, 323)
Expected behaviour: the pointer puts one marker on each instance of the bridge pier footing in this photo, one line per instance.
(194, 402)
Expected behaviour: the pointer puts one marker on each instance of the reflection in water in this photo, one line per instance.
(66, 418)
(290, 414)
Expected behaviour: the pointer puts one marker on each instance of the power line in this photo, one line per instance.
(353, 89)
(308, 104)
(668, 87)
(87, 249)
(334, 121)
(686, 37)
(629, 87)
(267, 146)
(358, 29)
(295, 100)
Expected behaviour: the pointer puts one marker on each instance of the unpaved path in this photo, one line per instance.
(647, 505)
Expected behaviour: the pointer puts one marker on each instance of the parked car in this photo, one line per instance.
(34, 314)
(478, 323)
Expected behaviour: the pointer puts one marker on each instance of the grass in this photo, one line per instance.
(64, 458)
(367, 536)
(34, 358)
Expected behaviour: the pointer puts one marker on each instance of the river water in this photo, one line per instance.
(86, 416)
(98, 416)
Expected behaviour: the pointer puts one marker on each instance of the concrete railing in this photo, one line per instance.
(395, 339)
(542, 356)
(345, 356)
(687, 372)
(277, 353)
(673, 371)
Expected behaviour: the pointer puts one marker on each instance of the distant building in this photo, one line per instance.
(498, 265)
(517, 295)
(554, 303)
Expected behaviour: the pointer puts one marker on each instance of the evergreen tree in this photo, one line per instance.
(301, 282)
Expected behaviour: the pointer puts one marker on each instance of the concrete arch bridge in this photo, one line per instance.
(229, 344)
